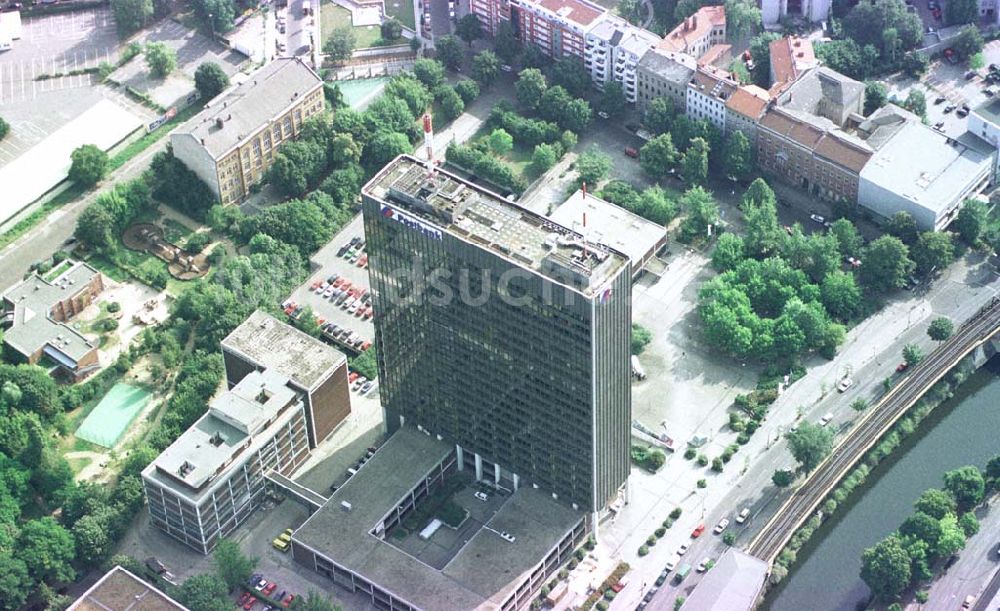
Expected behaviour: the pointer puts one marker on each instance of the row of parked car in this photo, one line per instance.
(353, 299)
(261, 590)
(360, 383)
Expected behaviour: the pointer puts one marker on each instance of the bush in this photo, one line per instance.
(743, 438)
(659, 532)
(602, 606)
(651, 540)
(702, 460)
(676, 513)
(729, 538)
(668, 523)
(717, 464)
(702, 483)
(114, 306)
(689, 453)
(643, 550)
(485, 166)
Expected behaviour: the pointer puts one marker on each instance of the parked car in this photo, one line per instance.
(288, 601)
(844, 384)
(825, 420)
(271, 587)
(819, 219)
(631, 152)
(367, 387)
(682, 549)
(603, 114)
(703, 565)
(698, 530)
(721, 526)
(482, 496)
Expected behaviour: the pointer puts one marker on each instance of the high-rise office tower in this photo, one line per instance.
(501, 332)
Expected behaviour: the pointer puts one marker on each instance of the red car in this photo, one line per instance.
(271, 587)
(697, 531)
(250, 603)
(288, 601)
(366, 346)
(354, 376)
(363, 260)
(902, 367)
(339, 282)
(243, 599)
(631, 152)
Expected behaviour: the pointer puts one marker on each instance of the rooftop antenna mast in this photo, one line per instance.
(429, 142)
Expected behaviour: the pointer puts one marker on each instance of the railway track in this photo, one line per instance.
(804, 501)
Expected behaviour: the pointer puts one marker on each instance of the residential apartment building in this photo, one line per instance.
(232, 142)
(517, 352)
(314, 369)
(666, 74)
(790, 58)
(614, 49)
(813, 11)
(35, 313)
(708, 93)
(212, 478)
(744, 110)
(698, 33)
(490, 13)
(557, 27)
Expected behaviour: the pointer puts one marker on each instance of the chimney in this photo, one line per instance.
(694, 21)
(219, 122)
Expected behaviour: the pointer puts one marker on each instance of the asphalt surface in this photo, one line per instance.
(297, 29)
(877, 421)
(977, 571)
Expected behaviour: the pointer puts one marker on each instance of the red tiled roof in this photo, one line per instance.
(790, 57)
(694, 28)
(825, 145)
(749, 101)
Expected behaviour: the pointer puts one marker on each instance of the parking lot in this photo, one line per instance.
(326, 264)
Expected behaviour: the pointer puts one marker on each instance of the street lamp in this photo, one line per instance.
(211, 23)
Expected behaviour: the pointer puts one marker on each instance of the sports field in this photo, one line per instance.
(110, 418)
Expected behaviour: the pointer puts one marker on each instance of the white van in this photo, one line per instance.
(637, 369)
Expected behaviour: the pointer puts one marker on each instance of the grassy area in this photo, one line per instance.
(402, 10)
(333, 16)
(79, 464)
(176, 232)
(71, 193)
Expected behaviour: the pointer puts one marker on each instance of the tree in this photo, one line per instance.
(391, 29)
(543, 157)
(612, 100)
(339, 46)
(933, 250)
(728, 252)
(656, 206)
(968, 523)
(570, 74)
(659, 117)
(966, 485)
(848, 239)
(760, 50)
(886, 568)
(924, 527)
(500, 142)
(993, 469)
(736, 156)
(90, 164)
(971, 220)
(840, 295)
(314, 602)
(952, 536)
(47, 550)
(969, 41)
(742, 18)
(15, 583)
(505, 43)
(231, 565)
(407, 88)
(593, 166)
(485, 64)
(935, 503)
(886, 264)
(131, 15)
(960, 12)
(694, 166)
(451, 102)
(468, 28)
(430, 72)
(859, 405)
(916, 103)
(764, 235)
(467, 89)
(876, 96)
(204, 592)
(810, 444)
(940, 329)
(530, 87)
(640, 338)
(383, 148)
(4, 128)
(449, 50)
(161, 59)
(658, 156)
(210, 80)
(702, 212)
(783, 478)
(977, 61)
(416, 45)
(631, 11)
(912, 354)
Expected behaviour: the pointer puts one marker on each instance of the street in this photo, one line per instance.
(975, 566)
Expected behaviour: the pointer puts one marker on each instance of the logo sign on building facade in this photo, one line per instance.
(417, 225)
(170, 114)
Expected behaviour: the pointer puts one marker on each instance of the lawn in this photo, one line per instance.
(402, 10)
(333, 16)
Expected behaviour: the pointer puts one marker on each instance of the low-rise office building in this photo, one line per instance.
(35, 313)
(121, 590)
(315, 370)
(509, 544)
(212, 478)
(232, 142)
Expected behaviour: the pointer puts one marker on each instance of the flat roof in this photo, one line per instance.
(267, 341)
(578, 12)
(479, 576)
(925, 167)
(989, 110)
(669, 65)
(244, 109)
(33, 299)
(446, 203)
(121, 590)
(733, 584)
(611, 224)
(207, 450)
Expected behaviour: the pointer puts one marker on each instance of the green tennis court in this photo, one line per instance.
(110, 418)
(357, 91)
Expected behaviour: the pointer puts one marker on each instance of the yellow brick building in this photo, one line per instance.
(232, 142)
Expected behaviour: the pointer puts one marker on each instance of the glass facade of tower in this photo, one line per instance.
(479, 345)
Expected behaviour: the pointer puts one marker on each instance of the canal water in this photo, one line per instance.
(959, 432)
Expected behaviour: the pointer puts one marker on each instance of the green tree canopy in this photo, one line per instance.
(469, 28)
(612, 100)
(876, 96)
(530, 87)
(737, 157)
(694, 166)
(966, 485)
(47, 550)
(593, 166)
(886, 567)
(940, 329)
(505, 43)
(658, 156)
(89, 166)
(485, 65)
(886, 264)
(935, 503)
(231, 565)
(340, 44)
(205, 592)
(391, 29)
(210, 80)
(933, 250)
(449, 50)
(131, 15)
(160, 58)
(430, 72)
(660, 113)
(810, 444)
(971, 220)
(783, 478)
